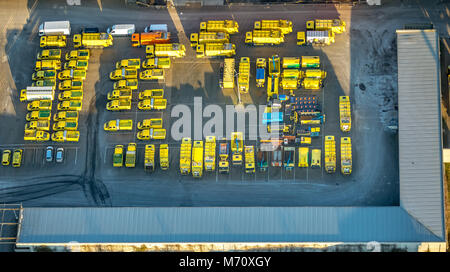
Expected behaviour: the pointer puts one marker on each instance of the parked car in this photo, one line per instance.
(49, 154)
(6, 156)
(59, 154)
(90, 30)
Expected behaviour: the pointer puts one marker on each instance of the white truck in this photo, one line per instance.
(156, 28)
(54, 28)
(121, 30)
(37, 93)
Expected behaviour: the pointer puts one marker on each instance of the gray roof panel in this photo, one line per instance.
(220, 224)
(420, 143)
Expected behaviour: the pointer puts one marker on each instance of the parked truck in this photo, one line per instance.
(80, 54)
(152, 134)
(118, 124)
(47, 65)
(303, 157)
(315, 158)
(197, 159)
(209, 37)
(38, 115)
(164, 156)
(237, 146)
(38, 125)
(249, 151)
(228, 74)
(39, 105)
(151, 74)
(92, 40)
(334, 25)
(76, 64)
(72, 74)
(260, 72)
(36, 135)
(71, 95)
(120, 94)
(345, 118)
(71, 84)
(44, 74)
(129, 64)
(123, 73)
(174, 50)
(150, 123)
(44, 83)
(210, 153)
(272, 87)
(53, 41)
(310, 61)
(37, 93)
(66, 136)
(142, 39)
(156, 63)
(346, 155)
(227, 26)
(330, 154)
(284, 26)
(185, 156)
(54, 28)
(244, 75)
(131, 84)
(70, 105)
(152, 104)
(263, 37)
(66, 115)
(215, 50)
(291, 63)
(149, 158)
(119, 104)
(118, 156)
(130, 155)
(151, 93)
(49, 54)
(65, 125)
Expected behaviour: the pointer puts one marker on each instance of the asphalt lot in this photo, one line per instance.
(365, 54)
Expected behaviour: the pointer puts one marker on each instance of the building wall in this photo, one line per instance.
(254, 247)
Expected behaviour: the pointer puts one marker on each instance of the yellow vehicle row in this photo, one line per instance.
(129, 156)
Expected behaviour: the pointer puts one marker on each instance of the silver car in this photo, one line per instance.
(59, 154)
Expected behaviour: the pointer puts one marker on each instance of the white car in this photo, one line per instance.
(59, 154)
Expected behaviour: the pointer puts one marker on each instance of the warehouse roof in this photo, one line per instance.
(220, 224)
(420, 143)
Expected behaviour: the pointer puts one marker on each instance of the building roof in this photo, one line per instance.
(420, 143)
(220, 224)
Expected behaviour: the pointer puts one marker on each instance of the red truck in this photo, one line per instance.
(142, 39)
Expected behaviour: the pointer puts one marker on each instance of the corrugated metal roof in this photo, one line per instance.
(220, 224)
(420, 143)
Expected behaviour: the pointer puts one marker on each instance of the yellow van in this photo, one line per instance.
(315, 158)
(303, 156)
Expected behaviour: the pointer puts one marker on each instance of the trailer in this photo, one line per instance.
(185, 156)
(264, 37)
(209, 37)
(346, 155)
(244, 75)
(345, 118)
(215, 50)
(284, 26)
(330, 154)
(210, 153)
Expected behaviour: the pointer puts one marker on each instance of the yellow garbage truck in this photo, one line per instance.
(92, 40)
(209, 37)
(346, 155)
(284, 26)
(244, 75)
(164, 156)
(228, 73)
(345, 118)
(197, 159)
(237, 146)
(249, 151)
(227, 26)
(330, 154)
(264, 37)
(149, 158)
(174, 50)
(185, 156)
(215, 50)
(210, 153)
